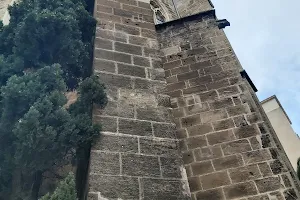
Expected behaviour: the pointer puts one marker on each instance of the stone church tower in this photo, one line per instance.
(183, 121)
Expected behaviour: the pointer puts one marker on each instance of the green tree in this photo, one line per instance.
(64, 191)
(45, 52)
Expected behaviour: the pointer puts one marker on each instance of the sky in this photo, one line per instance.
(266, 38)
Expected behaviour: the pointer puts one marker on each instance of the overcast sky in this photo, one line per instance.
(265, 35)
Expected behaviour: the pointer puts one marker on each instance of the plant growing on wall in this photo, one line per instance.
(45, 53)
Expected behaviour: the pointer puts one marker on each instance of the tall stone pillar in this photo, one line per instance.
(229, 149)
(137, 156)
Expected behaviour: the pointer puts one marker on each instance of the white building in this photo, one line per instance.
(4, 15)
(283, 128)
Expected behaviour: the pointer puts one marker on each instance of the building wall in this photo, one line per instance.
(227, 147)
(211, 140)
(137, 155)
(191, 7)
(282, 126)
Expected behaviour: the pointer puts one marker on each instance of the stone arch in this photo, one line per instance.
(159, 12)
(164, 10)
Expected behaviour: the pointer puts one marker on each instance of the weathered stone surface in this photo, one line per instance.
(265, 169)
(268, 184)
(159, 147)
(103, 44)
(196, 89)
(196, 142)
(238, 110)
(92, 196)
(228, 162)
(214, 180)
(163, 189)
(135, 127)
(200, 168)
(152, 113)
(256, 156)
(115, 186)
(235, 147)
(255, 143)
(277, 167)
(217, 84)
(200, 81)
(188, 157)
(246, 131)
(139, 165)
(240, 190)
(105, 163)
(112, 80)
(243, 174)
(194, 183)
(199, 129)
(113, 56)
(220, 137)
(190, 120)
(141, 61)
(218, 123)
(240, 121)
(127, 29)
(164, 130)
(286, 180)
(215, 194)
(290, 194)
(125, 109)
(131, 70)
(103, 65)
(260, 197)
(208, 153)
(208, 96)
(171, 167)
(212, 116)
(223, 103)
(107, 123)
(223, 124)
(115, 143)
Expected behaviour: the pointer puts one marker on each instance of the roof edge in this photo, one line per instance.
(278, 102)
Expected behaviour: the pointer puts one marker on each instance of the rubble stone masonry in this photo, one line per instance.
(181, 122)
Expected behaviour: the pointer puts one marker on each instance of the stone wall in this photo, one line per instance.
(191, 7)
(137, 155)
(229, 150)
(168, 9)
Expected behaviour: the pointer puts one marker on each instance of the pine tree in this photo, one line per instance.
(64, 191)
(45, 53)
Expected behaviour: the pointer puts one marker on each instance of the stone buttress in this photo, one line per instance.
(137, 155)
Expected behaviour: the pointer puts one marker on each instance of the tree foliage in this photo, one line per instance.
(65, 190)
(45, 52)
